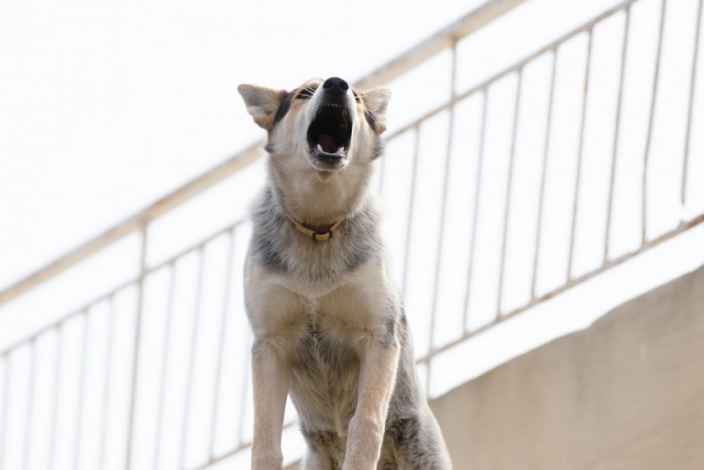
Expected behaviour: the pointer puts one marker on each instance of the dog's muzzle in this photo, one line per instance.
(330, 131)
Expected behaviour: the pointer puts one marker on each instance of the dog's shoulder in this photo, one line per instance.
(269, 233)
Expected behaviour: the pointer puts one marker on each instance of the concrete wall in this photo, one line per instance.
(625, 394)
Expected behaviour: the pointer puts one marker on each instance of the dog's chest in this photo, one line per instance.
(324, 339)
(316, 268)
(325, 371)
(324, 345)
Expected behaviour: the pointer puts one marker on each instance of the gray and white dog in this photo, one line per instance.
(330, 331)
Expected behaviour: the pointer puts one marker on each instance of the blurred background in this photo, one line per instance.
(543, 166)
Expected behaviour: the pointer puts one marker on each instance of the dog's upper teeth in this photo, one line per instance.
(320, 148)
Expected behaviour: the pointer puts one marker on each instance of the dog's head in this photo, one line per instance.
(323, 125)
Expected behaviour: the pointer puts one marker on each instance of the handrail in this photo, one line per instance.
(411, 58)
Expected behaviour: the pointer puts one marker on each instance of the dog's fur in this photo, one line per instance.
(329, 328)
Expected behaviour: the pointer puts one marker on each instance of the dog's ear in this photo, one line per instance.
(262, 103)
(376, 102)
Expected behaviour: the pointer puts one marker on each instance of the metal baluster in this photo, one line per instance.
(690, 110)
(29, 410)
(477, 196)
(651, 124)
(195, 330)
(509, 191)
(56, 401)
(221, 340)
(80, 405)
(544, 174)
(411, 210)
(107, 381)
(580, 154)
(136, 347)
(5, 408)
(165, 347)
(617, 132)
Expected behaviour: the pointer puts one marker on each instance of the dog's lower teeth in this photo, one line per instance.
(340, 150)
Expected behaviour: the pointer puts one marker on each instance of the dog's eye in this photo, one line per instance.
(305, 93)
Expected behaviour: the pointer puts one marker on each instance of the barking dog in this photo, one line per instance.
(330, 331)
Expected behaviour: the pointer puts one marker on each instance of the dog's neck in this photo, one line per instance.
(320, 200)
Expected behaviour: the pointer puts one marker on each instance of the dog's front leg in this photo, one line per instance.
(271, 381)
(376, 384)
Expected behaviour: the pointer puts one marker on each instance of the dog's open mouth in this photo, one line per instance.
(330, 132)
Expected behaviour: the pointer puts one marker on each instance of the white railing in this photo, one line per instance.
(153, 373)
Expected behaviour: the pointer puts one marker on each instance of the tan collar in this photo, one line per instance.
(313, 234)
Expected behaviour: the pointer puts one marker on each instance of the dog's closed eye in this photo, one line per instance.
(305, 93)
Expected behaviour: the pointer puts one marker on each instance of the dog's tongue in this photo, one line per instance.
(328, 143)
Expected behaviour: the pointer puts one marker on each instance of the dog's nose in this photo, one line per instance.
(335, 85)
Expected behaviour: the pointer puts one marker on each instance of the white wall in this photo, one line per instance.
(626, 394)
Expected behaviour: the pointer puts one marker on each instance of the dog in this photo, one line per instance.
(329, 327)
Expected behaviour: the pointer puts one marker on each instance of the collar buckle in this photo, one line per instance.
(313, 234)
